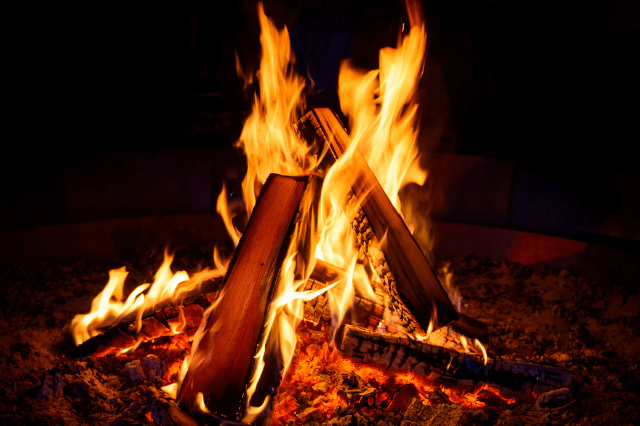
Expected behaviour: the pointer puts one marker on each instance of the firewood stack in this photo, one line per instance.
(223, 358)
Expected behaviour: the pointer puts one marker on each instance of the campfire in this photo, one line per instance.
(328, 310)
(328, 302)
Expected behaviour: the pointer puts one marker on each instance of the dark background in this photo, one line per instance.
(552, 86)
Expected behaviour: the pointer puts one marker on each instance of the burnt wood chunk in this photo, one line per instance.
(416, 293)
(515, 379)
(223, 360)
(471, 327)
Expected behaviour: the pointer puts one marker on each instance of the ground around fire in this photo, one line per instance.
(533, 314)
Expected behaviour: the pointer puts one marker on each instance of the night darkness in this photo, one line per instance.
(553, 86)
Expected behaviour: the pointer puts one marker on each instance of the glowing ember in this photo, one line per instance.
(321, 383)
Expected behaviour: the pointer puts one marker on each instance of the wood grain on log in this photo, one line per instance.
(223, 360)
(415, 291)
(518, 379)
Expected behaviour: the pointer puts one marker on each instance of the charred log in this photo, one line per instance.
(471, 327)
(516, 379)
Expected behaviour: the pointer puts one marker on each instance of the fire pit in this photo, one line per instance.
(553, 318)
(329, 311)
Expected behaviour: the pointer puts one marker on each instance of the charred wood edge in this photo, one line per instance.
(165, 411)
(365, 239)
(515, 379)
(471, 327)
(420, 287)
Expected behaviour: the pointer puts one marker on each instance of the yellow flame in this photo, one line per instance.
(130, 348)
(171, 390)
(225, 211)
(385, 131)
(103, 308)
(108, 308)
(200, 401)
(383, 122)
(267, 138)
(425, 337)
(465, 346)
(384, 126)
(482, 348)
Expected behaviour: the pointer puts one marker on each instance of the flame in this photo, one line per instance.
(465, 346)
(267, 138)
(108, 308)
(384, 130)
(225, 211)
(382, 114)
(384, 127)
(482, 348)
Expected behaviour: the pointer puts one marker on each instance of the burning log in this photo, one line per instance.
(367, 310)
(171, 316)
(415, 291)
(516, 379)
(185, 315)
(209, 283)
(222, 362)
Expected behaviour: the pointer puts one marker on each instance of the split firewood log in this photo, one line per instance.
(222, 360)
(414, 289)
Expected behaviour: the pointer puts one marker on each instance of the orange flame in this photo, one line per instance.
(382, 114)
(108, 308)
(267, 138)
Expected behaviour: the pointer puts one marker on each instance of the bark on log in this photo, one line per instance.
(415, 291)
(223, 361)
(516, 379)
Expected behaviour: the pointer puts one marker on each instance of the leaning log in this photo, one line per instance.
(414, 289)
(515, 379)
(222, 362)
